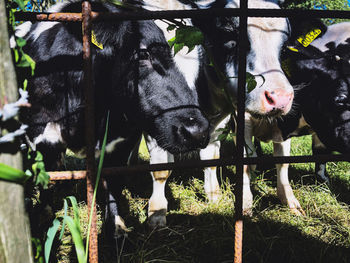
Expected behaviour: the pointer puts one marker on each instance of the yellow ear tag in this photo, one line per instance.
(94, 40)
(292, 49)
(309, 37)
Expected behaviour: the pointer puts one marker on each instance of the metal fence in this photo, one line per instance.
(87, 17)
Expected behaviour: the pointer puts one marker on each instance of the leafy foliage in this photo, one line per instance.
(74, 227)
(37, 169)
(320, 4)
(185, 36)
(24, 63)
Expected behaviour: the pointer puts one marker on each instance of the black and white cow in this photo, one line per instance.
(321, 73)
(135, 79)
(323, 69)
(271, 98)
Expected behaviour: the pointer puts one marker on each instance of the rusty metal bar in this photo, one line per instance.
(242, 64)
(61, 17)
(89, 128)
(170, 14)
(67, 175)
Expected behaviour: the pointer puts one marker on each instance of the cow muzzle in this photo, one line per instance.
(182, 130)
(276, 102)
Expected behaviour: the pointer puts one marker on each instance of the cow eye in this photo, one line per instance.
(143, 54)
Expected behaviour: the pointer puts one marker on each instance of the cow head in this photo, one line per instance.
(161, 101)
(273, 94)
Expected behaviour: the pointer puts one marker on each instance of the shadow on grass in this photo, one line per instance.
(210, 238)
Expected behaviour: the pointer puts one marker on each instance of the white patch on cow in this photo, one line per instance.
(52, 134)
(338, 33)
(111, 145)
(187, 63)
(120, 228)
(21, 31)
(43, 26)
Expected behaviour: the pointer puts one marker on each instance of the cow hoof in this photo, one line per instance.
(157, 218)
(120, 228)
(248, 212)
(298, 211)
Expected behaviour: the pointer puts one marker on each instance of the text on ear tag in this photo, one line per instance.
(309, 37)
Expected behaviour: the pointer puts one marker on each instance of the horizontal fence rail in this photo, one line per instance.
(172, 14)
(81, 174)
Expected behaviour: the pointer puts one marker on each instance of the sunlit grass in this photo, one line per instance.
(198, 231)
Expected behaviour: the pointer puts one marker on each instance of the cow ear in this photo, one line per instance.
(303, 33)
(301, 26)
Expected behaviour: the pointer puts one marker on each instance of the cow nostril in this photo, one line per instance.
(194, 134)
(269, 98)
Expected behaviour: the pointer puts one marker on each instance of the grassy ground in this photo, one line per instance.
(200, 232)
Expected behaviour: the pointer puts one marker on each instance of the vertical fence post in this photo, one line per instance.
(89, 128)
(242, 45)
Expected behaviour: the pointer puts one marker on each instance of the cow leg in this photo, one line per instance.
(249, 150)
(158, 205)
(320, 168)
(118, 152)
(212, 151)
(284, 190)
(211, 184)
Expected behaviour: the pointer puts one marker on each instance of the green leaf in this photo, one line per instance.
(37, 248)
(77, 238)
(65, 208)
(21, 42)
(11, 174)
(25, 84)
(251, 82)
(222, 137)
(188, 36)
(171, 27)
(171, 42)
(99, 170)
(26, 61)
(226, 130)
(39, 157)
(16, 55)
(50, 237)
(43, 178)
(74, 203)
(178, 47)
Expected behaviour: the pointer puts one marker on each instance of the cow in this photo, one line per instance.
(271, 98)
(324, 100)
(134, 78)
(321, 75)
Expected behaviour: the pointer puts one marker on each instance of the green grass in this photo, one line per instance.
(200, 232)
